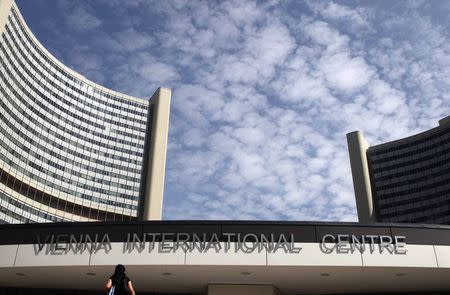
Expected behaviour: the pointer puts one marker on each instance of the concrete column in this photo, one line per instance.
(156, 165)
(5, 8)
(242, 290)
(357, 148)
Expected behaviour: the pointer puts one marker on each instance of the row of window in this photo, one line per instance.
(416, 166)
(61, 137)
(424, 176)
(442, 190)
(412, 190)
(60, 177)
(26, 208)
(38, 146)
(67, 75)
(70, 192)
(409, 206)
(52, 102)
(40, 126)
(425, 157)
(15, 216)
(12, 89)
(433, 216)
(441, 218)
(79, 175)
(420, 146)
(46, 76)
(414, 201)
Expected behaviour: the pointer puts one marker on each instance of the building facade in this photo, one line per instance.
(406, 180)
(70, 149)
(226, 257)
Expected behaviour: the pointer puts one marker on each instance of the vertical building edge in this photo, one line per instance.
(156, 162)
(357, 147)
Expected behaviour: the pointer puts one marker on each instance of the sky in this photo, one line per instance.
(263, 92)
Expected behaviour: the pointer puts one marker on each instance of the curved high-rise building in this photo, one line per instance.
(70, 149)
(406, 180)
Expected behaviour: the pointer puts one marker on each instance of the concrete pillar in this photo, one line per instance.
(242, 290)
(357, 148)
(156, 165)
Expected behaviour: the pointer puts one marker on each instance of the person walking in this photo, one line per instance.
(119, 283)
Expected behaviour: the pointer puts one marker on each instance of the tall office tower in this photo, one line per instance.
(70, 149)
(406, 180)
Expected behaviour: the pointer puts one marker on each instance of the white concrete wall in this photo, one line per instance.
(357, 148)
(423, 268)
(156, 165)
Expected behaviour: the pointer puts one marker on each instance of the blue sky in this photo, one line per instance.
(263, 92)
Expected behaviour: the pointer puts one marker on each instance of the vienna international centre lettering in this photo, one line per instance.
(58, 244)
(171, 242)
(350, 243)
(77, 244)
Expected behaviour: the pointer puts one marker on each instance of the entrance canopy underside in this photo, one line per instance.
(195, 279)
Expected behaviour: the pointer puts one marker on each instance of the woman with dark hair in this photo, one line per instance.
(119, 283)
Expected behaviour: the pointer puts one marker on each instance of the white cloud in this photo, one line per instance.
(353, 20)
(271, 44)
(345, 73)
(250, 136)
(80, 19)
(193, 137)
(385, 99)
(132, 40)
(264, 92)
(321, 33)
(336, 11)
(158, 72)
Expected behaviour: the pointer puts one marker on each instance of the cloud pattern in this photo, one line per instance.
(263, 91)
